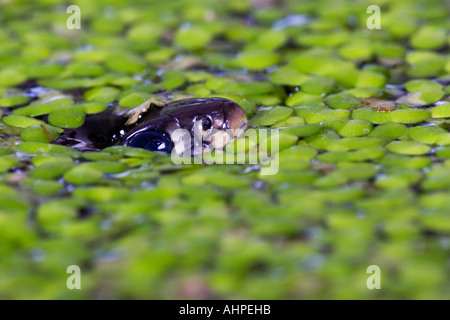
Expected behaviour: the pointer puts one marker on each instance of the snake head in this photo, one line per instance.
(212, 123)
(216, 129)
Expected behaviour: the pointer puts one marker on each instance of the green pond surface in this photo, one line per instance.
(364, 175)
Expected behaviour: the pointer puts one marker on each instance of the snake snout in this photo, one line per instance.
(235, 118)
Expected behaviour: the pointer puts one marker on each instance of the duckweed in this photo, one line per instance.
(420, 99)
(192, 37)
(407, 147)
(51, 170)
(389, 130)
(318, 85)
(256, 59)
(428, 134)
(329, 140)
(428, 37)
(357, 155)
(12, 76)
(369, 78)
(82, 174)
(304, 130)
(342, 101)
(406, 162)
(133, 100)
(101, 94)
(13, 101)
(405, 116)
(269, 116)
(350, 128)
(318, 114)
(40, 133)
(440, 111)
(46, 187)
(66, 118)
(21, 121)
(7, 162)
(303, 99)
(288, 76)
(425, 63)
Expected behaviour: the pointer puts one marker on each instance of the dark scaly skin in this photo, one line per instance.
(108, 129)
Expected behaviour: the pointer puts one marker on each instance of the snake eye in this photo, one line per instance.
(152, 141)
(206, 124)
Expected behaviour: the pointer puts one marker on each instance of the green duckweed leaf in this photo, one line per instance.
(389, 131)
(134, 99)
(91, 107)
(407, 147)
(46, 187)
(256, 59)
(101, 94)
(302, 98)
(7, 162)
(420, 99)
(357, 155)
(304, 130)
(101, 193)
(39, 147)
(269, 40)
(318, 85)
(342, 101)
(437, 178)
(147, 31)
(420, 85)
(427, 134)
(21, 121)
(160, 55)
(440, 111)
(425, 63)
(67, 118)
(318, 114)
(369, 78)
(51, 170)
(405, 161)
(288, 122)
(13, 101)
(192, 37)
(107, 167)
(288, 76)
(83, 174)
(122, 62)
(38, 134)
(428, 37)
(405, 116)
(84, 69)
(356, 50)
(344, 72)
(11, 77)
(269, 116)
(350, 128)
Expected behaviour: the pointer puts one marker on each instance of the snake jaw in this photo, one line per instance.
(232, 128)
(178, 138)
(220, 139)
